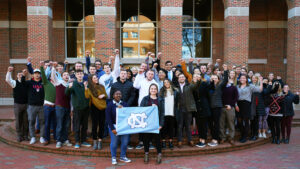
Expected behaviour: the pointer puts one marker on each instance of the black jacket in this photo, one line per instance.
(36, 92)
(202, 101)
(176, 102)
(289, 99)
(20, 93)
(258, 101)
(161, 108)
(188, 97)
(127, 90)
(216, 91)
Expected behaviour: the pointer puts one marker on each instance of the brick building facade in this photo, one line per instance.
(262, 34)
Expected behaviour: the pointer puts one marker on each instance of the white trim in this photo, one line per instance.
(284, 61)
(18, 61)
(18, 24)
(236, 11)
(39, 10)
(4, 24)
(74, 60)
(58, 24)
(294, 12)
(257, 61)
(6, 101)
(256, 24)
(202, 61)
(132, 60)
(105, 10)
(174, 11)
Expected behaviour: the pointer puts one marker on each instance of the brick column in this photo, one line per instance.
(39, 29)
(236, 32)
(105, 25)
(170, 30)
(4, 50)
(293, 45)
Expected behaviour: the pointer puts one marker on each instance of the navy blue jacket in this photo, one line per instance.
(110, 113)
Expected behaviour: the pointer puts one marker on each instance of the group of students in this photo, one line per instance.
(190, 102)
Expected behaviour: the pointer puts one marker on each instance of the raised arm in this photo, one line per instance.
(225, 78)
(137, 83)
(53, 76)
(9, 79)
(88, 63)
(44, 77)
(29, 65)
(116, 71)
(185, 72)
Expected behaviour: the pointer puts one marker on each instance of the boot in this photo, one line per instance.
(99, 145)
(158, 161)
(95, 145)
(287, 141)
(163, 145)
(282, 140)
(277, 140)
(146, 158)
(273, 140)
(171, 145)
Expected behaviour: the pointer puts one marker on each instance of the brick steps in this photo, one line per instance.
(7, 136)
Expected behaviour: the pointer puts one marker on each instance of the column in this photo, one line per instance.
(39, 30)
(236, 32)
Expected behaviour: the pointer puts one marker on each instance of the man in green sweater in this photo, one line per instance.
(81, 109)
(49, 105)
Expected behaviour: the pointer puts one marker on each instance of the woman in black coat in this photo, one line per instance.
(288, 113)
(171, 96)
(153, 100)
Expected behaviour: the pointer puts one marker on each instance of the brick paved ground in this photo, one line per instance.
(267, 156)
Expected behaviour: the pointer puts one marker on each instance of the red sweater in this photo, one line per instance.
(61, 98)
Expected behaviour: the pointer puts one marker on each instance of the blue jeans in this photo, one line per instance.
(114, 144)
(49, 114)
(63, 122)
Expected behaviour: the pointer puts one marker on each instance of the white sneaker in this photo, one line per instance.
(114, 161)
(32, 140)
(264, 135)
(58, 145)
(260, 135)
(42, 140)
(67, 143)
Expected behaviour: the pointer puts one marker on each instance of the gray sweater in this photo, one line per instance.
(246, 92)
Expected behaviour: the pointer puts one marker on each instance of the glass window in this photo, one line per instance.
(79, 28)
(138, 21)
(125, 34)
(196, 29)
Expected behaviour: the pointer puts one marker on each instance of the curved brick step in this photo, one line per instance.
(7, 136)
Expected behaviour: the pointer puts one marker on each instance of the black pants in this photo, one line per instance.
(80, 118)
(214, 123)
(98, 120)
(202, 126)
(147, 137)
(275, 122)
(169, 126)
(185, 120)
(243, 117)
(254, 126)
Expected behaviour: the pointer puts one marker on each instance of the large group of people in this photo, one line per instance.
(204, 100)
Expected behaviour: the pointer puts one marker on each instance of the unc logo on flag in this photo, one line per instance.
(132, 120)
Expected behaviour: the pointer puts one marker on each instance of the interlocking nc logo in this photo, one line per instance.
(137, 120)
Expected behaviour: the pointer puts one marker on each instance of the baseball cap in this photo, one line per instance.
(36, 70)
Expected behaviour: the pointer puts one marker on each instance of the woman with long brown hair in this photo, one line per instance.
(97, 94)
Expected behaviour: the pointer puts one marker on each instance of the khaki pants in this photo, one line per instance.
(227, 120)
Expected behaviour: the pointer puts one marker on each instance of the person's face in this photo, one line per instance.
(107, 69)
(25, 72)
(181, 79)
(128, 75)
(79, 76)
(250, 74)
(286, 88)
(167, 84)
(87, 53)
(216, 71)
(254, 79)
(271, 76)
(134, 71)
(117, 96)
(265, 81)
(232, 74)
(197, 71)
(59, 68)
(150, 75)
(98, 65)
(243, 80)
(95, 79)
(153, 90)
(169, 66)
(214, 78)
(66, 76)
(93, 70)
(161, 74)
(203, 69)
(243, 72)
(36, 75)
(238, 70)
(123, 75)
(19, 75)
(173, 69)
(177, 73)
(78, 66)
(143, 66)
(195, 78)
